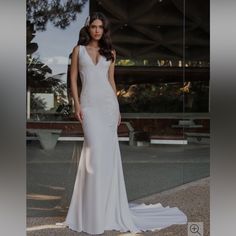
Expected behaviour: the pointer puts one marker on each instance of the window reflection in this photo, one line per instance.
(52, 31)
(146, 43)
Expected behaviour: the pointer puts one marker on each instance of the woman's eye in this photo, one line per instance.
(94, 27)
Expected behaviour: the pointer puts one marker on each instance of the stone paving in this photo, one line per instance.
(168, 174)
(191, 198)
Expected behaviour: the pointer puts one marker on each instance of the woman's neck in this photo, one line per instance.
(93, 44)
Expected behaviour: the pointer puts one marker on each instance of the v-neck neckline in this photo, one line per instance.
(99, 58)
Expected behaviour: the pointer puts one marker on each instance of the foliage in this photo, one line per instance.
(60, 13)
(163, 97)
(39, 76)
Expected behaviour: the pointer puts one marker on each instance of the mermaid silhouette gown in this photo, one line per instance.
(99, 200)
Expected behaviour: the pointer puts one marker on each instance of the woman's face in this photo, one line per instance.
(96, 29)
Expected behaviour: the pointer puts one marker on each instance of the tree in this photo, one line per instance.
(39, 75)
(60, 13)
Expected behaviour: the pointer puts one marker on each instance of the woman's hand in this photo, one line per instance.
(78, 114)
(119, 119)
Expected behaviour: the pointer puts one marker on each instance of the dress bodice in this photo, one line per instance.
(96, 88)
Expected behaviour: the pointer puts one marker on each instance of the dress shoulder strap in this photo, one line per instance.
(81, 49)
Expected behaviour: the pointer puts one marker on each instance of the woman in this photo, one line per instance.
(99, 201)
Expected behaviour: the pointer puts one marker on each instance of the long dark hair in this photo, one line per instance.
(104, 43)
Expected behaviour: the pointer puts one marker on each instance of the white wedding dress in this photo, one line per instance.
(99, 201)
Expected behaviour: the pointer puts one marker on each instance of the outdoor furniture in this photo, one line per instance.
(198, 137)
(49, 137)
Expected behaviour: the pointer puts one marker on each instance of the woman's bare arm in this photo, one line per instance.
(111, 73)
(73, 85)
(74, 75)
(111, 79)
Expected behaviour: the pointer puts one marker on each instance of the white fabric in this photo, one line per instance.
(99, 201)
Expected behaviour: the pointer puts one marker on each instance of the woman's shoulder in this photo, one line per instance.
(113, 51)
(76, 48)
